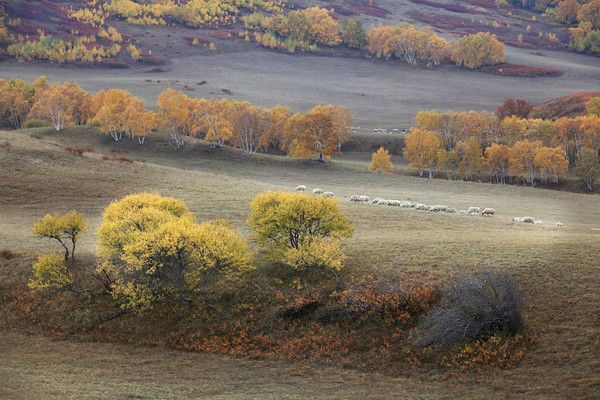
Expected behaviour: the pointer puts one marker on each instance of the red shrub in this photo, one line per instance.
(79, 150)
(115, 157)
(508, 69)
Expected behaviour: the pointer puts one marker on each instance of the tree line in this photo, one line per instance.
(471, 145)
(307, 28)
(318, 133)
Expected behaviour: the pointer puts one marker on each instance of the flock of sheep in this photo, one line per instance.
(486, 212)
(379, 130)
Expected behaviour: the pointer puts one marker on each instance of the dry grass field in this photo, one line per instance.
(558, 269)
(381, 94)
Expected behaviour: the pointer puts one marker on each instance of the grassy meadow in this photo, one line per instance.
(557, 268)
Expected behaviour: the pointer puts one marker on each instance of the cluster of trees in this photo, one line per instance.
(525, 160)
(477, 144)
(318, 133)
(409, 43)
(41, 103)
(51, 48)
(321, 131)
(586, 36)
(423, 46)
(302, 28)
(152, 250)
(194, 13)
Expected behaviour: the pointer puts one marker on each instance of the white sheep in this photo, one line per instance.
(300, 188)
(527, 220)
(558, 224)
(423, 207)
(363, 199)
(317, 191)
(382, 202)
(517, 219)
(450, 210)
(376, 200)
(353, 198)
(438, 208)
(538, 222)
(327, 194)
(474, 210)
(405, 204)
(463, 212)
(488, 212)
(394, 203)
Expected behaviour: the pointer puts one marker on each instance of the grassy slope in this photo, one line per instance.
(558, 268)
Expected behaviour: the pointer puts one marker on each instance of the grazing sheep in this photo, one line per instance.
(451, 210)
(438, 208)
(376, 200)
(405, 204)
(528, 220)
(538, 222)
(423, 207)
(488, 212)
(363, 199)
(474, 210)
(317, 191)
(327, 194)
(463, 212)
(517, 219)
(353, 198)
(300, 188)
(412, 205)
(382, 202)
(394, 203)
(558, 224)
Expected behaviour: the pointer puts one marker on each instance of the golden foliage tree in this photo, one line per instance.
(62, 104)
(294, 221)
(421, 150)
(522, 160)
(65, 229)
(155, 251)
(567, 11)
(16, 97)
(551, 163)
(477, 50)
(497, 159)
(471, 160)
(587, 167)
(381, 161)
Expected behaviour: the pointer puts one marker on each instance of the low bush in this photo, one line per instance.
(78, 150)
(115, 157)
(475, 306)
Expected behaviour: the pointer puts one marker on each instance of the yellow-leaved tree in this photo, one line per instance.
(421, 150)
(155, 251)
(51, 270)
(381, 161)
(65, 229)
(301, 230)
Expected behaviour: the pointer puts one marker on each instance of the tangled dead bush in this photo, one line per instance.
(475, 306)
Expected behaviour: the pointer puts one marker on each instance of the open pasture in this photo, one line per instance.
(556, 267)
